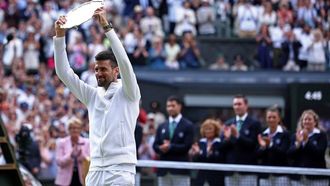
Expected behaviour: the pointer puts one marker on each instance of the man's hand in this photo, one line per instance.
(101, 16)
(234, 131)
(60, 32)
(227, 132)
(165, 146)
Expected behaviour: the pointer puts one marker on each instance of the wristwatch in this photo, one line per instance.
(107, 27)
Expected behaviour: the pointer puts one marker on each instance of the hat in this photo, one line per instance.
(151, 116)
(137, 8)
(30, 29)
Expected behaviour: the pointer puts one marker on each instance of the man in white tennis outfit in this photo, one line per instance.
(113, 107)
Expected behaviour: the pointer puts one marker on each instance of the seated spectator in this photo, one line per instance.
(157, 54)
(209, 149)
(206, 19)
(327, 49)
(305, 38)
(307, 13)
(31, 52)
(223, 16)
(190, 55)
(264, 48)
(316, 57)
(172, 50)
(284, 14)
(277, 36)
(88, 76)
(172, 13)
(239, 64)
(308, 147)
(137, 14)
(96, 46)
(47, 147)
(140, 53)
(145, 151)
(12, 49)
(186, 20)
(130, 7)
(290, 52)
(114, 12)
(274, 143)
(151, 25)
(247, 20)
(267, 15)
(129, 38)
(159, 117)
(220, 64)
(324, 19)
(78, 52)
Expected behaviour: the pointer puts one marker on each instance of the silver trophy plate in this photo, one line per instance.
(82, 13)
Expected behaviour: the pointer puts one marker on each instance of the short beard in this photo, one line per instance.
(104, 84)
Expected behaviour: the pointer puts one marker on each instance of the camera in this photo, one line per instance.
(23, 139)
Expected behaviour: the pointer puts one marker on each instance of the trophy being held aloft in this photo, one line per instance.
(82, 13)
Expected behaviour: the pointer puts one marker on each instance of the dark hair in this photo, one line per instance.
(176, 99)
(10, 37)
(107, 55)
(238, 56)
(274, 108)
(241, 96)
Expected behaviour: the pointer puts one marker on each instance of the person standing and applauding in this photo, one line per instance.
(241, 146)
(308, 149)
(70, 154)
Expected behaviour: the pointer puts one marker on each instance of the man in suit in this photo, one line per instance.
(241, 141)
(173, 141)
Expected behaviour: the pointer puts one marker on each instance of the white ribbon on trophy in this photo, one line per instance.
(82, 13)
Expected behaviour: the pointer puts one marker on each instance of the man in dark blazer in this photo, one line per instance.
(241, 142)
(172, 143)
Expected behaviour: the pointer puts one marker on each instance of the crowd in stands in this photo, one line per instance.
(157, 34)
(291, 35)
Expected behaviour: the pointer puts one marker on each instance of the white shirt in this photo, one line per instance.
(112, 113)
(176, 119)
(242, 118)
(13, 49)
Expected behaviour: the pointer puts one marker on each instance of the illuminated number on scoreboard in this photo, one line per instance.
(313, 95)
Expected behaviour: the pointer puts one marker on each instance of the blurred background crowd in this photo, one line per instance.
(164, 34)
(290, 35)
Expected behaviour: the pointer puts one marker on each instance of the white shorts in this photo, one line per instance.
(110, 178)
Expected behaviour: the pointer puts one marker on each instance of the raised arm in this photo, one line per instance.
(130, 86)
(80, 89)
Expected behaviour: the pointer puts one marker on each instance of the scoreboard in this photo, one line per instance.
(314, 96)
